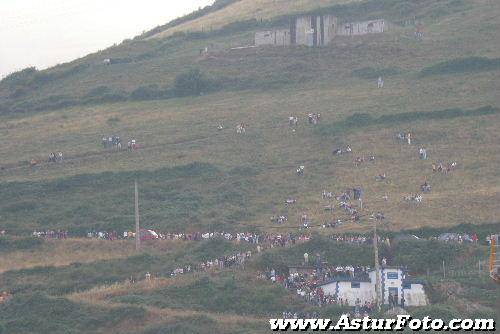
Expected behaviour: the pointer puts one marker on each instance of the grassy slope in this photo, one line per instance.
(246, 10)
(179, 131)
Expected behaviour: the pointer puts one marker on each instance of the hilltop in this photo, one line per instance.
(172, 87)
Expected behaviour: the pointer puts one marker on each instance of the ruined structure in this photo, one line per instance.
(316, 30)
(361, 28)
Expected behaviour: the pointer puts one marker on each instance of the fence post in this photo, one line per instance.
(444, 270)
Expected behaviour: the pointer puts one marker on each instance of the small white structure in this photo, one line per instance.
(361, 28)
(393, 282)
(276, 37)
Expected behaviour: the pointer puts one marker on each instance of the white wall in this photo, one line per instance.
(361, 28)
(275, 37)
(365, 292)
(415, 296)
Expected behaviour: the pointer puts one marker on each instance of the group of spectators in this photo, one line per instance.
(51, 234)
(218, 263)
(458, 237)
(307, 284)
(56, 157)
(271, 239)
(439, 167)
(116, 142)
(351, 239)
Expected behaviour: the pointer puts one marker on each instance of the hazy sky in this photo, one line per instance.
(43, 33)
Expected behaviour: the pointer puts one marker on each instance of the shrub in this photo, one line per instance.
(423, 255)
(98, 92)
(193, 83)
(462, 65)
(151, 92)
(19, 78)
(437, 311)
(39, 313)
(8, 244)
(373, 73)
(361, 120)
(197, 324)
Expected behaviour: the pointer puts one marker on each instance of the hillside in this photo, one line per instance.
(194, 177)
(244, 10)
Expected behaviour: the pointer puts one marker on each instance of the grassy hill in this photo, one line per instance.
(192, 177)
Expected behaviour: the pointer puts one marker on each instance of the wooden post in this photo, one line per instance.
(444, 270)
(378, 296)
(492, 253)
(137, 223)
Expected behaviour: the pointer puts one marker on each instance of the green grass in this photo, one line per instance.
(38, 313)
(462, 65)
(374, 73)
(23, 244)
(186, 325)
(360, 121)
(103, 201)
(225, 292)
(83, 276)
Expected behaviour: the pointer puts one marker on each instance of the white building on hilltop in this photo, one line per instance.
(393, 282)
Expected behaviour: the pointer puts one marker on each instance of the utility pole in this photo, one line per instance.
(137, 224)
(378, 296)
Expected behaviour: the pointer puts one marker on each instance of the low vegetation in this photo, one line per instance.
(362, 120)
(463, 65)
(39, 313)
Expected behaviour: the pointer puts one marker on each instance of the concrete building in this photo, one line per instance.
(393, 282)
(313, 30)
(361, 28)
(270, 37)
(316, 30)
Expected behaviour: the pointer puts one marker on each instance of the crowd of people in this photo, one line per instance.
(56, 157)
(270, 239)
(439, 167)
(313, 118)
(307, 284)
(218, 263)
(241, 128)
(281, 219)
(413, 198)
(458, 237)
(300, 170)
(351, 239)
(112, 142)
(344, 150)
(293, 121)
(104, 235)
(51, 234)
(405, 137)
(116, 143)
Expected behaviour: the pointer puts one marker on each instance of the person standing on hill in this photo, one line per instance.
(380, 82)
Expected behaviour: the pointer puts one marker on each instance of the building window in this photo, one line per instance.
(355, 285)
(392, 275)
(407, 286)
